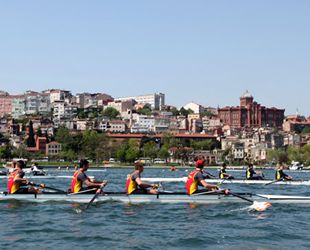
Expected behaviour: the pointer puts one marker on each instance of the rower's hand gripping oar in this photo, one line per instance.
(259, 206)
(277, 180)
(42, 186)
(95, 196)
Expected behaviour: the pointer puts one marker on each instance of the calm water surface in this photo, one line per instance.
(52, 225)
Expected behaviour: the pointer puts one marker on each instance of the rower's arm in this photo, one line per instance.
(95, 184)
(207, 185)
(258, 172)
(143, 184)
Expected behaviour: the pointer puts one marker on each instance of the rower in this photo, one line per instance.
(223, 174)
(134, 180)
(16, 179)
(80, 177)
(59, 168)
(281, 175)
(196, 178)
(250, 173)
(35, 169)
(67, 167)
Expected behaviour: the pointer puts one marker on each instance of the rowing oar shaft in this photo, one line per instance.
(281, 179)
(95, 196)
(43, 186)
(259, 206)
(239, 196)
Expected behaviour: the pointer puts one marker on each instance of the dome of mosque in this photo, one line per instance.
(246, 94)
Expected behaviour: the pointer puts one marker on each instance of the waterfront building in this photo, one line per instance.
(53, 148)
(251, 114)
(18, 106)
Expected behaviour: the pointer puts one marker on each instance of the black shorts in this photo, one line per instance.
(255, 178)
(140, 191)
(22, 191)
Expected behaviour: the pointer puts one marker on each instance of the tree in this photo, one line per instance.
(186, 112)
(111, 113)
(163, 153)
(39, 132)
(305, 131)
(31, 141)
(149, 149)
(132, 154)
(181, 154)
(63, 135)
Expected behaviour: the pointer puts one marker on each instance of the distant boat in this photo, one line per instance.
(296, 166)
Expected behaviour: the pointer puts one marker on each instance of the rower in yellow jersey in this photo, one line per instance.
(16, 180)
(80, 177)
(135, 185)
(223, 174)
(196, 179)
(281, 175)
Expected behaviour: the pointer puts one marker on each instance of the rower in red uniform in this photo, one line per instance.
(134, 180)
(80, 177)
(16, 180)
(196, 178)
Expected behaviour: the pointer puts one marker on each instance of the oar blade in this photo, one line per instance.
(260, 206)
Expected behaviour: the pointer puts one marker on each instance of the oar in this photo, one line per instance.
(259, 206)
(51, 188)
(95, 196)
(277, 180)
(209, 174)
(223, 180)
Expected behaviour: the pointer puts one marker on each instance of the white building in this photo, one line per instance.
(144, 124)
(37, 102)
(197, 108)
(155, 100)
(18, 106)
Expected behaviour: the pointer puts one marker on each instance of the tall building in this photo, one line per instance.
(155, 100)
(251, 114)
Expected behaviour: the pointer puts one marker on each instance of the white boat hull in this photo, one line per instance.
(161, 198)
(233, 181)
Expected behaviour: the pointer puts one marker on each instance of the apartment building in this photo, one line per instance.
(155, 100)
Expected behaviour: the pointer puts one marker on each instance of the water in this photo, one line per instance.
(53, 225)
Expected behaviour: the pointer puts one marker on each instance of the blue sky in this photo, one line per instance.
(208, 52)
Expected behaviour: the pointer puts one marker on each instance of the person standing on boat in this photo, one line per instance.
(196, 179)
(16, 180)
(80, 177)
(135, 185)
(281, 175)
(223, 174)
(250, 173)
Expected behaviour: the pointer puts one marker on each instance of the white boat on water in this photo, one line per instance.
(233, 181)
(295, 165)
(162, 197)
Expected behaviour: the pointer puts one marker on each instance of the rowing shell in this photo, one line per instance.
(240, 181)
(160, 198)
